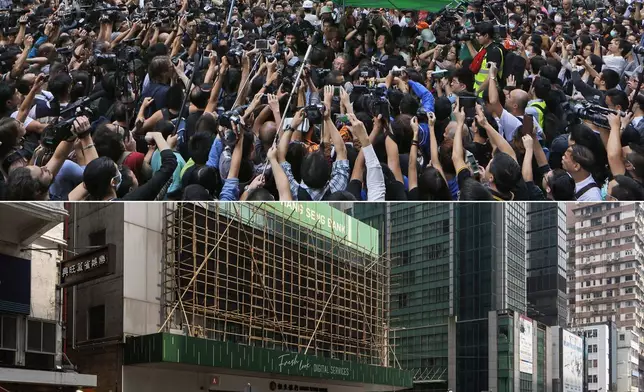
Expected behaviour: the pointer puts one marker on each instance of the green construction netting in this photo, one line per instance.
(425, 5)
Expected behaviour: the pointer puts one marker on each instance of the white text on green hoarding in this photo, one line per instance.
(316, 217)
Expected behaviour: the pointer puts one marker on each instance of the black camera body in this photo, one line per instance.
(593, 113)
(314, 113)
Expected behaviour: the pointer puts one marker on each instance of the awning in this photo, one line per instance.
(429, 5)
(41, 377)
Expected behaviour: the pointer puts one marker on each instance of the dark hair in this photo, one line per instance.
(206, 123)
(295, 156)
(119, 113)
(108, 143)
(209, 178)
(562, 186)
(618, 98)
(165, 127)
(200, 95)
(98, 176)
(9, 131)
(542, 87)
(627, 189)
(199, 146)
(506, 172)
(22, 186)
(536, 63)
(409, 105)
(465, 76)
(623, 45)
(315, 170)
(59, 85)
(583, 156)
(174, 97)
(7, 91)
(472, 190)
(611, 78)
(432, 185)
(341, 196)
(485, 28)
(260, 194)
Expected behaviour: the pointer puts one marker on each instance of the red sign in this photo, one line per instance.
(214, 380)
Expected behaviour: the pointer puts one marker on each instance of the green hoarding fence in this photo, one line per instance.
(431, 5)
(169, 348)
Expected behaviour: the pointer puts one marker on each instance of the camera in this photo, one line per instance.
(638, 49)
(234, 56)
(232, 116)
(314, 113)
(593, 113)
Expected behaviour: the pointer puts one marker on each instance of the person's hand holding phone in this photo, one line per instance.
(528, 143)
(415, 127)
(480, 118)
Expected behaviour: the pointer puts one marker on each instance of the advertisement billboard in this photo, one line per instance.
(525, 345)
(573, 362)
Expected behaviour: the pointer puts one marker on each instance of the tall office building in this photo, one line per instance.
(451, 266)
(419, 241)
(546, 263)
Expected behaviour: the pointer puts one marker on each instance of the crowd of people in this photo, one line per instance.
(270, 100)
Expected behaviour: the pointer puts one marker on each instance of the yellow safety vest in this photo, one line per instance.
(481, 76)
(541, 110)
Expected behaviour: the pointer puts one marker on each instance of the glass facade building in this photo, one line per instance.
(450, 263)
(546, 263)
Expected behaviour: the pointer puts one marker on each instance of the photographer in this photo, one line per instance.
(489, 53)
(33, 182)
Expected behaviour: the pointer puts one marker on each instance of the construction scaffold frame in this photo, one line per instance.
(245, 274)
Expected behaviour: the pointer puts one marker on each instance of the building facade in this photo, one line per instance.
(229, 297)
(32, 353)
(452, 267)
(628, 360)
(546, 263)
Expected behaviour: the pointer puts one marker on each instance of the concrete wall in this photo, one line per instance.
(143, 251)
(627, 360)
(602, 356)
(101, 357)
(151, 379)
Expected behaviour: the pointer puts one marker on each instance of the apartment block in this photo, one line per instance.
(608, 264)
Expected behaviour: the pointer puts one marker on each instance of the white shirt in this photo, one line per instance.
(616, 63)
(312, 18)
(593, 194)
(508, 125)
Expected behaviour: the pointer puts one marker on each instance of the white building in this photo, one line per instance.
(598, 359)
(32, 244)
(627, 361)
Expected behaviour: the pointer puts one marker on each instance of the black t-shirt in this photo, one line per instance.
(493, 55)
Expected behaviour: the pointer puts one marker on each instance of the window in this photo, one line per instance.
(97, 238)
(628, 226)
(8, 334)
(96, 322)
(402, 300)
(628, 278)
(622, 337)
(597, 294)
(41, 337)
(609, 293)
(628, 290)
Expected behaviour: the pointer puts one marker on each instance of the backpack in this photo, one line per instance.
(586, 189)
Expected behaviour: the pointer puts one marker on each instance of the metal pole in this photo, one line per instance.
(319, 320)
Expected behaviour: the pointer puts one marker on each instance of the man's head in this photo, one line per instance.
(516, 101)
(11, 132)
(102, 178)
(29, 183)
(9, 99)
(341, 63)
(619, 47)
(617, 99)
(559, 185)
(567, 5)
(607, 79)
(200, 95)
(462, 80)
(315, 171)
(258, 17)
(161, 69)
(484, 33)
(267, 133)
(578, 160)
(503, 173)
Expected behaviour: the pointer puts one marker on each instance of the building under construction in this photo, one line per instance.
(297, 277)
(228, 297)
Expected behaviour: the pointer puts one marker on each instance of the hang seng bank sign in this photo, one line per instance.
(88, 266)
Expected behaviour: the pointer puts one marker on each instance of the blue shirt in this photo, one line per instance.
(426, 97)
(69, 177)
(230, 191)
(215, 153)
(453, 187)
